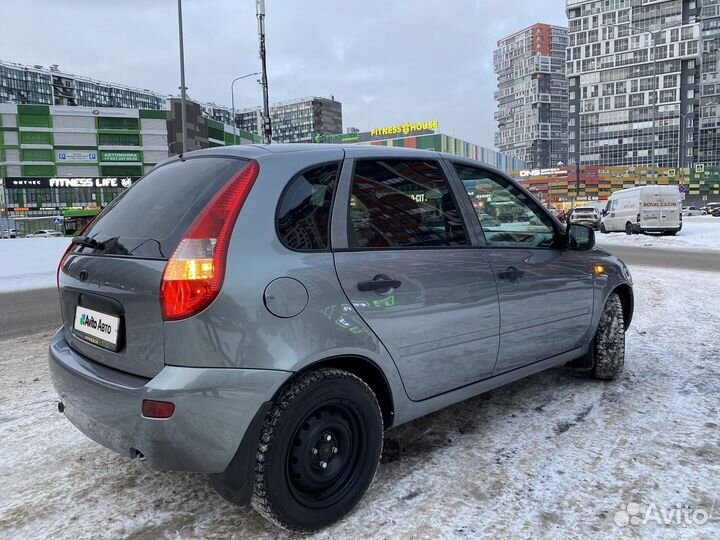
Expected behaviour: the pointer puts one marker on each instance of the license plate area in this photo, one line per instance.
(99, 320)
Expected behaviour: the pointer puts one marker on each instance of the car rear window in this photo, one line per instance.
(149, 218)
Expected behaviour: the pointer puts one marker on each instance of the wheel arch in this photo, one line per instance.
(365, 369)
(627, 299)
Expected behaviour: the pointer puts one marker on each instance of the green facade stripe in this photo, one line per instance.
(38, 170)
(8, 128)
(65, 148)
(214, 133)
(36, 137)
(121, 170)
(34, 120)
(214, 124)
(118, 123)
(37, 154)
(157, 115)
(34, 109)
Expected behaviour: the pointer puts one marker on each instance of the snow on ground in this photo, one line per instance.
(556, 455)
(30, 263)
(698, 232)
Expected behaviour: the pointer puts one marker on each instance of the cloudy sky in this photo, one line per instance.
(387, 61)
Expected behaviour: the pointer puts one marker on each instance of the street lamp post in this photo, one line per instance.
(182, 78)
(652, 34)
(267, 126)
(232, 99)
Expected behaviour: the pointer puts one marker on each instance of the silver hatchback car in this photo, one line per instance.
(262, 313)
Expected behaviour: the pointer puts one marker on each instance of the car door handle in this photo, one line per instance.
(511, 274)
(380, 283)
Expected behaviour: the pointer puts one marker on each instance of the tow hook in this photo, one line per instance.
(61, 407)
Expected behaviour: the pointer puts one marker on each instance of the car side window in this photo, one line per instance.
(402, 204)
(508, 216)
(303, 216)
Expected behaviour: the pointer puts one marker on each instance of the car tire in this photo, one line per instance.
(609, 344)
(319, 450)
(628, 228)
(603, 229)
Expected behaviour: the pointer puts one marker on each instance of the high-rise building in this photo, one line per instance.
(296, 121)
(36, 85)
(621, 54)
(532, 95)
(709, 106)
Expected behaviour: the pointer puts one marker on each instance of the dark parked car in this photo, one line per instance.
(262, 313)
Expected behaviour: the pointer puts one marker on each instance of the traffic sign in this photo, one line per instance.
(57, 220)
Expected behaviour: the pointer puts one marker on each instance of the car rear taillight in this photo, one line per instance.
(638, 218)
(194, 273)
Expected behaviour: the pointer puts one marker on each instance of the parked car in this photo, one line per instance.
(716, 212)
(644, 209)
(273, 316)
(44, 233)
(692, 211)
(711, 207)
(9, 233)
(586, 215)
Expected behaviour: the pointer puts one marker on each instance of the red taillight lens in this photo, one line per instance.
(194, 274)
(638, 218)
(157, 409)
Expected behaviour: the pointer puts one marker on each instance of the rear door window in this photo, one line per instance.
(149, 218)
(403, 204)
(303, 217)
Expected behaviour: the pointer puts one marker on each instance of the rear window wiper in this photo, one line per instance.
(86, 241)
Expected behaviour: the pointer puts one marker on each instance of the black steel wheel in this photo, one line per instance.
(318, 451)
(628, 228)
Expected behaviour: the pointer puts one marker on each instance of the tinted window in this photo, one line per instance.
(402, 203)
(508, 216)
(303, 218)
(148, 219)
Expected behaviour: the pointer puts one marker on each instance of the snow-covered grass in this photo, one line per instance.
(698, 233)
(554, 456)
(29, 263)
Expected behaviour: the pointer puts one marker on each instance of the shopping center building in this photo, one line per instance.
(423, 135)
(60, 165)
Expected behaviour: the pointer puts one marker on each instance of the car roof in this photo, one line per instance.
(253, 151)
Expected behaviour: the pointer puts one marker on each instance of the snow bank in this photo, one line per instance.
(698, 232)
(30, 263)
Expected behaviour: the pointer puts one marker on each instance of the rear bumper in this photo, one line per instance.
(594, 223)
(213, 408)
(639, 229)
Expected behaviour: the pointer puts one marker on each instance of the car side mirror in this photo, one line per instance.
(580, 237)
(604, 212)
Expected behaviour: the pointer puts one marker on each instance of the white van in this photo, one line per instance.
(643, 209)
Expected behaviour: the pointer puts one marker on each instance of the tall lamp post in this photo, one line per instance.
(654, 88)
(232, 99)
(267, 126)
(182, 77)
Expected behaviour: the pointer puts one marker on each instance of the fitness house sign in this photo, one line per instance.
(404, 129)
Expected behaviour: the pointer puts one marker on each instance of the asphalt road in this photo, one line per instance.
(30, 312)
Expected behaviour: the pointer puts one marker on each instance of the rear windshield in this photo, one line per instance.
(584, 209)
(149, 218)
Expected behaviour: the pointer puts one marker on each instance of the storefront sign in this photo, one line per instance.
(404, 129)
(119, 156)
(66, 155)
(554, 171)
(47, 183)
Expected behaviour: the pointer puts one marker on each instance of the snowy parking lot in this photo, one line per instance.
(556, 455)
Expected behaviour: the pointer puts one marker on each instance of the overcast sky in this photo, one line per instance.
(387, 61)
